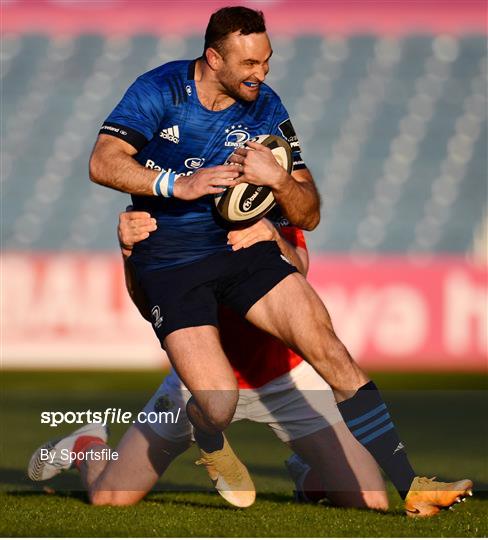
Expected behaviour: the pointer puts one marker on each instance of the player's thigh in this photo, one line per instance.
(197, 355)
(348, 472)
(293, 312)
(143, 456)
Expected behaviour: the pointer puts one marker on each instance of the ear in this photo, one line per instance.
(214, 59)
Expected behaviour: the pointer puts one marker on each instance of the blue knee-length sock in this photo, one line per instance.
(367, 416)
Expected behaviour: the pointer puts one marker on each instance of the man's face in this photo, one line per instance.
(244, 64)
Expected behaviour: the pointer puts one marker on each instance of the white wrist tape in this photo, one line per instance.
(164, 183)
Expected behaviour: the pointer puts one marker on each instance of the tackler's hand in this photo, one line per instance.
(261, 231)
(134, 227)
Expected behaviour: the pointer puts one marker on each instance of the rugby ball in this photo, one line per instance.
(248, 202)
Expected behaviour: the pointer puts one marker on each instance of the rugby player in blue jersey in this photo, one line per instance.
(164, 143)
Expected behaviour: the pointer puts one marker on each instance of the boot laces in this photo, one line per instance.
(224, 465)
(425, 480)
(433, 483)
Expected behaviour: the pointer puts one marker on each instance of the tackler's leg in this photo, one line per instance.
(141, 458)
(336, 463)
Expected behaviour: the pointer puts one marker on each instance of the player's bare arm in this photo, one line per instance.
(296, 193)
(134, 227)
(262, 231)
(112, 165)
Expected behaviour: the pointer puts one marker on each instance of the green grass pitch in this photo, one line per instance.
(442, 418)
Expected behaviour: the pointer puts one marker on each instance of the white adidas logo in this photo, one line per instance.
(400, 446)
(171, 134)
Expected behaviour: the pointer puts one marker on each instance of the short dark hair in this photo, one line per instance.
(227, 20)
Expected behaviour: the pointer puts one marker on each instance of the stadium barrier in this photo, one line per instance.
(394, 313)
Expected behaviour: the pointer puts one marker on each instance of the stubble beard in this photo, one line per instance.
(233, 89)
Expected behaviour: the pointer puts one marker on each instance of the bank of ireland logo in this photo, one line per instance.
(236, 135)
(158, 319)
(194, 162)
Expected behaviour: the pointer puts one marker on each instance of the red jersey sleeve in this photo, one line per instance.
(294, 236)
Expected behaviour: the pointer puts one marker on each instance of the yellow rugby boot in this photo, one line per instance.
(427, 497)
(229, 476)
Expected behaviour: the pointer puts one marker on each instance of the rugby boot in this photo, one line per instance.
(53, 456)
(427, 497)
(299, 470)
(229, 476)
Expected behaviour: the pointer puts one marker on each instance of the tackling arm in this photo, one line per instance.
(296, 255)
(134, 227)
(135, 292)
(263, 230)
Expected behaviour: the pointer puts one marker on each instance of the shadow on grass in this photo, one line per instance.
(158, 498)
(69, 486)
(268, 471)
(72, 482)
(18, 477)
(219, 503)
(77, 495)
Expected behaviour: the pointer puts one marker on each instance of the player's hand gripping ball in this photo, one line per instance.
(245, 202)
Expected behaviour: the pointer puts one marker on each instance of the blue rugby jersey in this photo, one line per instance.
(162, 117)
